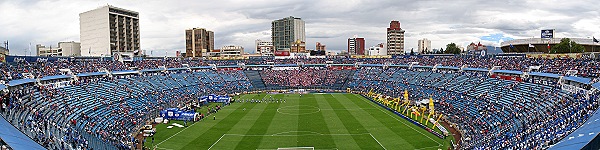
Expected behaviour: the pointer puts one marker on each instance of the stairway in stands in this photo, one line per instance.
(255, 79)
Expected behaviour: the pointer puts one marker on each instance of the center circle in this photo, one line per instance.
(298, 110)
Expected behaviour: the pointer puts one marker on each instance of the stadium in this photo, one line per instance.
(404, 102)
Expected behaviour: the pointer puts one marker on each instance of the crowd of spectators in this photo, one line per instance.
(107, 110)
(305, 77)
(504, 115)
(484, 121)
(586, 67)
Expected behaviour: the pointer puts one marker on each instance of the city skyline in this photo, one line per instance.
(328, 22)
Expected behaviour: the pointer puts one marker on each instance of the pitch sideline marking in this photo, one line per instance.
(176, 134)
(162, 148)
(377, 141)
(180, 132)
(387, 113)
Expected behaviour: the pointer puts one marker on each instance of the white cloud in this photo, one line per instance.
(331, 22)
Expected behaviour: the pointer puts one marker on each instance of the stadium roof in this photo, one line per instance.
(582, 136)
(151, 70)
(419, 66)
(20, 81)
(171, 69)
(578, 79)
(448, 67)
(541, 74)
(91, 74)
(46, 78)
(596, 85)
(124, 72)
(475, 69)
(508, 72)
(371, 65)
(541, 45)
(201, 67)
(15, 138)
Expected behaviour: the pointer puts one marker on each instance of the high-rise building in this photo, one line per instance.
(320, 47)
(265, 48)
(231, 51)
(286, 31)
(356, 45)
(395, 39)
(424, 46)
(108, 30)
(198, 42)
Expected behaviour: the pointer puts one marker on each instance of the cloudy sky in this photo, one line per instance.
(331, 22)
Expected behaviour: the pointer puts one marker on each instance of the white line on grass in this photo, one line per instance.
(162, 148)
(177, 133)
(387, 112)
(217, 141)
(377, 141)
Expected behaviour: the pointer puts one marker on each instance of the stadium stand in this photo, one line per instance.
(101, 104)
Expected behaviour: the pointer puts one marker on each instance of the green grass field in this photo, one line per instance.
(322, 121)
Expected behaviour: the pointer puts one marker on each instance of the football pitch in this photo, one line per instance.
(310, 121)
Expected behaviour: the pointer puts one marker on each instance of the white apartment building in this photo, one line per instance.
(109, 29)
(424, 46)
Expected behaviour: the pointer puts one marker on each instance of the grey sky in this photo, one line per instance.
(331, 22)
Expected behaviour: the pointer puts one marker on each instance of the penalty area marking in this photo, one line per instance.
(283, 134)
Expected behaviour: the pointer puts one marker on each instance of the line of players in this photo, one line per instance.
(264, 100)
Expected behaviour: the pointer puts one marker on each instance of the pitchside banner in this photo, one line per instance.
(176, 114)
(547, 34)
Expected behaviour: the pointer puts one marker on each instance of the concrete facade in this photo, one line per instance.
(395, 39)
(286, 31)
(264, 48)
(107, 30)
(199, 42)
(356, 46)
(231, 51)
(424, 46)
(63, 49)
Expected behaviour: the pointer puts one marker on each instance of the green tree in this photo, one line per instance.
(452, 49)
(567, 46)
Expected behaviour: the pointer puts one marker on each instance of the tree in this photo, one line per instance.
(567, 46)
(441, 50)
(412, 52)
(452, 49)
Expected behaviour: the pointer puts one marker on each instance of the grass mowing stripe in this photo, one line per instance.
(205, 140)
(282, 123)
(335, 125)
(419, 138)
(349, 121)
(380, 130)
(242, 127)
(259, 127)
(313, 122)
(163, 135)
